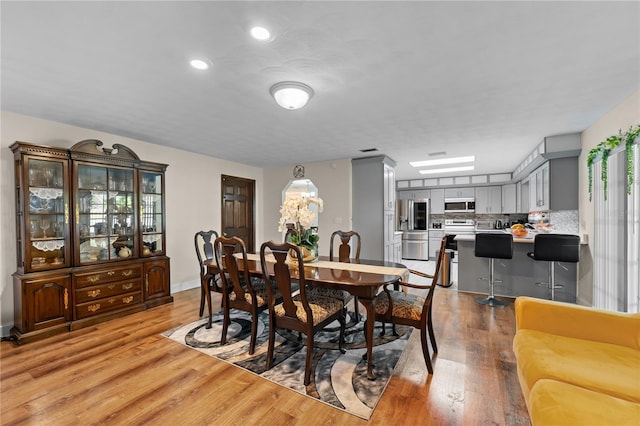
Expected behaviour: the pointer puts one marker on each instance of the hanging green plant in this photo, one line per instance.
(603, 149)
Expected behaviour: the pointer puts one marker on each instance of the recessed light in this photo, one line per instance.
(452, 160)
(446, 170)
(260, 33)
(199, 64)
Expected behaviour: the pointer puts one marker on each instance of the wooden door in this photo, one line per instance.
(238, 209)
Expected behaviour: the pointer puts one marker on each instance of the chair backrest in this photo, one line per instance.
(344, 250)
(284, 278)
(288, 234)
(203, 241)
(557, 247)
(497, 246)
(227, 247)
(436, 273)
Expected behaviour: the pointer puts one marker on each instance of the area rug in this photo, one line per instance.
(339, 380)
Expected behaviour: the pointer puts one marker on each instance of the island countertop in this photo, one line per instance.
(527, 240)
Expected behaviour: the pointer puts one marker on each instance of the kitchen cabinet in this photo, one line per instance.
(488, 199)
(414, 195)
(389, 181)
(554, 185)
(372, 216)
(523, 196)
(509, 198)
(437, 201)
(89, 221)
(435, 238)
(459, 192)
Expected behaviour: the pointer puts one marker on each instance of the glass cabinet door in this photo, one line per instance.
(47, 215)
(105, 215)
(151, 214)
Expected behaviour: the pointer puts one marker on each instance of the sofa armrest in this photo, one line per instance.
(580, 322)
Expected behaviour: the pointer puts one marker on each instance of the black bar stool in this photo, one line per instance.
(493, 246)
(555, 248)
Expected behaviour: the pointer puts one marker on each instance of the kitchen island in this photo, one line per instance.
(519, 275)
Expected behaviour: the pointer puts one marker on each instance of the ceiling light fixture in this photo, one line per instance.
(199, 64)
(291, 94)
(453, 160)
(260, 33)
(446, 170)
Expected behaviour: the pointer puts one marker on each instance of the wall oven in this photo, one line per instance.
(459, 205)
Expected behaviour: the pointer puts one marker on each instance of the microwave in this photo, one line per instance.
(459, 205)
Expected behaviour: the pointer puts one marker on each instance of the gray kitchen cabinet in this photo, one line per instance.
(435, 238)
(523, 196)
(509, 198)
(373, 216)
(414, 194)
(459, 192)
(488, 199)
(437, 201)
(554, 185)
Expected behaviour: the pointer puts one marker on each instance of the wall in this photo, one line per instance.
(625, 114)
(192, 191)
(333, 179)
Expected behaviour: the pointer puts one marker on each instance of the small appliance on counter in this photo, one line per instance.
(436, 225)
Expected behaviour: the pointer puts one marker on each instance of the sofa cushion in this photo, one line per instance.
(601, 367)
(557, 403)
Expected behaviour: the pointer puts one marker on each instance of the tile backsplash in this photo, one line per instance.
(564, 221)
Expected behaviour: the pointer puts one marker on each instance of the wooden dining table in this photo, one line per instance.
(362, 278)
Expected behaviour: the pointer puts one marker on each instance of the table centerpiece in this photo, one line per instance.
(297, 215)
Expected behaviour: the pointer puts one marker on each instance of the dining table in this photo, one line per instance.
(361, 278)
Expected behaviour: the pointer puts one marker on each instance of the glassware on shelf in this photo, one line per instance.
(44, 225)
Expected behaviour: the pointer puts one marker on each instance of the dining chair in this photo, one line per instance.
(299, 310)
(239, 290)
(398, 307)
(346, 238)
(209, 282)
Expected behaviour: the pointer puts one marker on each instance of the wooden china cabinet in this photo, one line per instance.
(90, 237)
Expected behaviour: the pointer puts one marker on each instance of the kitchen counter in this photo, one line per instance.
(519, 275)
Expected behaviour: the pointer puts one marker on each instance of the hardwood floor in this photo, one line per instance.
(124, 372)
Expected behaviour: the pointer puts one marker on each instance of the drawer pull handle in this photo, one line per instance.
(127, 300)
(110, 273)
(112, 300)
(128, 286)
(66, 299)
(93, 308)
(111, 286)
(93, 278)
(93, 293)
(127, 273)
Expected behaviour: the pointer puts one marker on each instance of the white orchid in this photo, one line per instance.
(297, 210)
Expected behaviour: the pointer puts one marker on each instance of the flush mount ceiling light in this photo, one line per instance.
(199, 64)
(260, 33)
(291, 94)
(447, 170)
(452, 160)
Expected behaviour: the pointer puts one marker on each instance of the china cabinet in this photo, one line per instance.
(90, 236)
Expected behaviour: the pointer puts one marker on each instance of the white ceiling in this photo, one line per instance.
(408, 78)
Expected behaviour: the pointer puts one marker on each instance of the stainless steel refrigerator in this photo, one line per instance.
(413, 221)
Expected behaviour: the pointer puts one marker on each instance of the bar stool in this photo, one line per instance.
(555, 248)
(493, 246)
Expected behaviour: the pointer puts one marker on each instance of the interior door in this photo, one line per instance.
(238, 209)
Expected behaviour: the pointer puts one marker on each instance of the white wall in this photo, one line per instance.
(333, 179)
(192, 191)
(626, 114)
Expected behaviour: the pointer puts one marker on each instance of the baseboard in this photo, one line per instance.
(5, 329)
(185, 285)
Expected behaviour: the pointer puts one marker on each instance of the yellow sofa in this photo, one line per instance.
(577, 365)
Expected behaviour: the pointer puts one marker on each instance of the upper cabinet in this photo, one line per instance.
(389, 188)
(90, 236)
(459, 192)
(488, 199)
(554, 185)
(509, 199)
(437, 201)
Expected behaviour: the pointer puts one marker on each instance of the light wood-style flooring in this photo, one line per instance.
(124, 372)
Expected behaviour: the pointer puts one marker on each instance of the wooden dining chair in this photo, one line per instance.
(299, 310)
(203, 241)
(397, 307)
(346, 238)
(239, 290)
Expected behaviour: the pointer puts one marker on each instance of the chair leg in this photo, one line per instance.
(356, 309)
(202, 296)
(225, 324)
(425, 350)
(254, 331)
(208, 297)
(432, 336)
(307, 365)
(272, 339)
(341, 338)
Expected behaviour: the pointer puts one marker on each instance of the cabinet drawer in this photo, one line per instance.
(97, 307)
(107, 275)
(107, 290)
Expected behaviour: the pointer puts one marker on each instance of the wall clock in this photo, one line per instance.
(298, 171)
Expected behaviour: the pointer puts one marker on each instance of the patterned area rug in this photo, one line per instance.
(337, 379)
